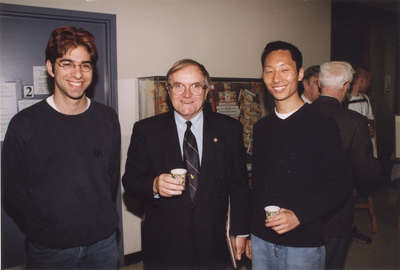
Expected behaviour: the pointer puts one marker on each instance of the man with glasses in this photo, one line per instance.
(61, 164)
(184, 226)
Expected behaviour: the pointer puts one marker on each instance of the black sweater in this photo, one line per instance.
(299, 165)
(61, 173)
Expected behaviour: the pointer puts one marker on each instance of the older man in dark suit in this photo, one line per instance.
(335, 79)
(184, 226)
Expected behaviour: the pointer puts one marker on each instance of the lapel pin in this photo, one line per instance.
(215, 140)
(192, 176)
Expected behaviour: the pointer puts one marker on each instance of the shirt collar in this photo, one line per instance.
(195, 120)
(286, 115)
(50, 101)
(305, 99)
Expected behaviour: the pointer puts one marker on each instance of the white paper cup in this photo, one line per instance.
(179, 174)
(271, 210)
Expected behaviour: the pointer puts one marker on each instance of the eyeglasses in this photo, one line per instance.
(68, 65)
(195, 88)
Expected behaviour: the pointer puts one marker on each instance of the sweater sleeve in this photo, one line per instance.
(115, 162)
(14, 169)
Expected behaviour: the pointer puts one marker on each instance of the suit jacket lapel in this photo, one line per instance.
(173, 156)
(208, 134)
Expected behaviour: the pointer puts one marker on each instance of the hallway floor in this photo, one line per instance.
(384, 251)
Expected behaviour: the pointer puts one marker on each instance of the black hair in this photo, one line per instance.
(311, 71)
(283, 45)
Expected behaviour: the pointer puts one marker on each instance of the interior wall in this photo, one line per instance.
(371, 40)
(383, 51)
(227, 36)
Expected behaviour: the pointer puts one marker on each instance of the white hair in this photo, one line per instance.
(335, 74)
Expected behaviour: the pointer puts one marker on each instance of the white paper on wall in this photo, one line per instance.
(25, 103)
(8, 108)
(40, 80)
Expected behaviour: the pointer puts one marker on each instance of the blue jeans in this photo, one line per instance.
(100, 255)
(266, 255)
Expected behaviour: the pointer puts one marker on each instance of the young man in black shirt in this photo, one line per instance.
(298, 165)
(61, 164)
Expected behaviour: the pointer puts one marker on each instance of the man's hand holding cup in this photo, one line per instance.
(280, 220)
(168, 185)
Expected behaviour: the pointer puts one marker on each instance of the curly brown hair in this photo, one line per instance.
(66, 37)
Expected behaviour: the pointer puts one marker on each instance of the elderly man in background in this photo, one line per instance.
(335, 79)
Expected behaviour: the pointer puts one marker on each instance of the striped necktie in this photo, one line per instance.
(191, 159)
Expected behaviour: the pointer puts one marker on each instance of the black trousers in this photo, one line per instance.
(336, 252)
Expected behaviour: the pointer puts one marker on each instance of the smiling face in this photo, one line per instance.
(281, 76)
(71, 81)
(187, 104)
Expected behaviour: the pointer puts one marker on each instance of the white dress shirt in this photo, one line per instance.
(196, 128)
